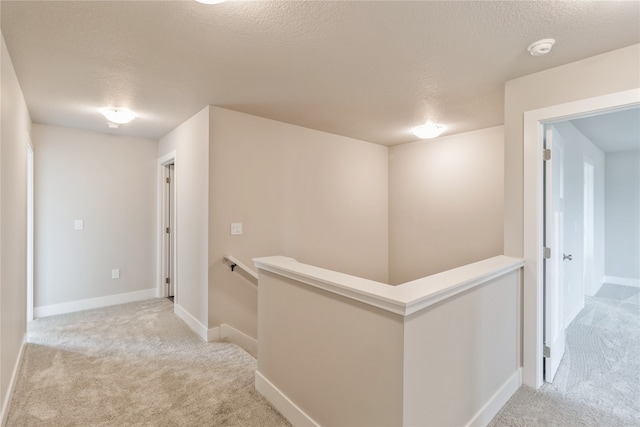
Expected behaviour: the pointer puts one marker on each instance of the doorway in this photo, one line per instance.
(167, 231)
(30, 229)
(533, 309)
(170, 230)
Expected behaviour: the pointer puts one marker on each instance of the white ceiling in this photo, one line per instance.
(612, 132)
(368, 70)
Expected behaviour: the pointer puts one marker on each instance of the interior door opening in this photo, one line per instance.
(170, 231)
(30, 231)
(576, 202)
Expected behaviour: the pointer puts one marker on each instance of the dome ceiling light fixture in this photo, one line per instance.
(118, 115)
(428, 130)
(211, 1)
(541, 47)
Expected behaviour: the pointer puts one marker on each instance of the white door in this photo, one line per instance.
(554, 336)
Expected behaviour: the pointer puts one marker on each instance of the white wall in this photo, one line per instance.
(445, 203)
(623, 216)
(310, 195)
(191, 142)
(590, 150)
(108, 182)
(15, 125)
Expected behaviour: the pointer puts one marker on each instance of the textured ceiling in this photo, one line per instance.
(369, 70)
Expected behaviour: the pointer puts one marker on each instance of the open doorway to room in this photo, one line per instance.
(167, 286)
(533, 238)
(30, 229)
(591, 175)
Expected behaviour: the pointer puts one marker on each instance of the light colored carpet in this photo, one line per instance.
(135, 364)
(598, 382)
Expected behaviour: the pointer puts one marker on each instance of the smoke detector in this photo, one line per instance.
(541, 47)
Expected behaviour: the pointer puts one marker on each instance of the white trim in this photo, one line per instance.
(160, 212)
(282, 403)
(239, 338)
(213, 334)
(532, 215)
(490, 409)
(89, 303)
(404, 299)
(614, 280)
(192, 322)
(30, 225)
(12, 383)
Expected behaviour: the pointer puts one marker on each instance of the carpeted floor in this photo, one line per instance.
(135, 364)
(598, 382)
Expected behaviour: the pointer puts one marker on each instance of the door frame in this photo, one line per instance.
(533, 216)
(162, 244)
(30, 227)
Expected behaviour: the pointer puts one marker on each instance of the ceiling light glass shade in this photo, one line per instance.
(428, 131)
(210, 1)
(118, 115)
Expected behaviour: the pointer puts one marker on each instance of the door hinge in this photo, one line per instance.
(546, 154)
(168, 180)
(168, 230)
(546, 252)
(547, 351)
(167, 280)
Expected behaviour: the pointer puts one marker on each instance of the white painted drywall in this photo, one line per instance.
(15, 126)
(314, 196)
(622, 212)
(445, 203)
(191, 142)
(108, 182)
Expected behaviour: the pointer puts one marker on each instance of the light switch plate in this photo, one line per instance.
(78, 224)
(115, 273)
(236, 228)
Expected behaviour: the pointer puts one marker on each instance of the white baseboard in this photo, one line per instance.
(622, 281)
(286, 407)
(213, 334)
(239, 338)
(87, 304)
(12, 383)
(192, 322)
(497, 401)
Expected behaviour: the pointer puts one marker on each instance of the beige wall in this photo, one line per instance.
(191, 142)
(339, 360)
(604, 74)
(310, 195)
(351, 352)
(451, 373)
(15, 125)
(445, 203)
(107, 181)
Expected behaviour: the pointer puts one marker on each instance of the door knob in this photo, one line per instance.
(565, 257)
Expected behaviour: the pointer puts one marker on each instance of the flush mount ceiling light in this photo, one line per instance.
(118, 115)
(210, 1)
(429, 130)
(541, 47)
